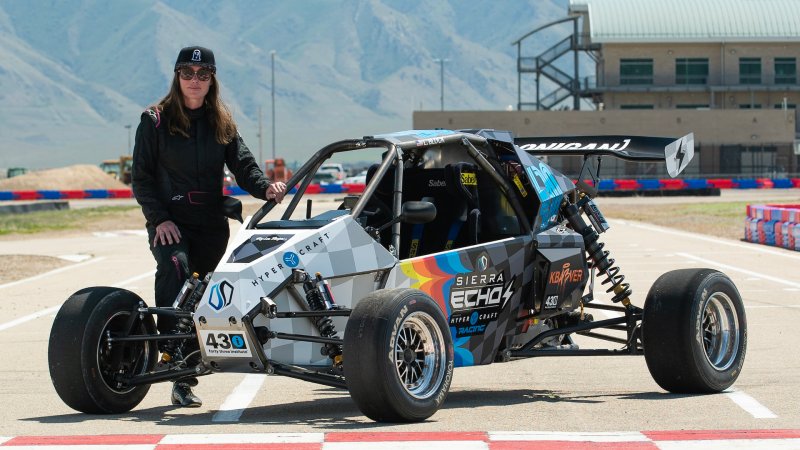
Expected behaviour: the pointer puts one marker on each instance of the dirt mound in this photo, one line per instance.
(78, 177)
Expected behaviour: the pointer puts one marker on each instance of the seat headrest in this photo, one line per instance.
(462, 180)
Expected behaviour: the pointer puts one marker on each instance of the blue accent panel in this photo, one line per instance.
(451, 263)
(461, 356)
(50, 195)
(747, 183)
(96, 193)
(5, 195)
(701, 183)
(649, 184)
(607, 185)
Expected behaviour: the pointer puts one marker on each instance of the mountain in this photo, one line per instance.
(75, 73)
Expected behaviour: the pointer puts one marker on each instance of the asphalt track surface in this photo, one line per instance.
(570, 394)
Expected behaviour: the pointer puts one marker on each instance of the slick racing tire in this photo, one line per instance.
(398, 356)
(84, 367)
(694, 331)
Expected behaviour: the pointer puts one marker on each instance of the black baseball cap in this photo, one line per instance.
(196, 56)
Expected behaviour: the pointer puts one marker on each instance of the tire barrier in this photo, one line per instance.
(688, 186)
(776, 225)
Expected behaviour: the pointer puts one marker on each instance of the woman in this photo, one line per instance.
(182, 146)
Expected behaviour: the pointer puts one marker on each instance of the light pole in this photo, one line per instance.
(129, 138)
(441, 62)
(260, 139)
(272, 57)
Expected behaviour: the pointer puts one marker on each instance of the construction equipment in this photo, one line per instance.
(276, 170)
(120, 168)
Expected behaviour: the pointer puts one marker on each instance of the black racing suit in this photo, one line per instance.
(180, 179)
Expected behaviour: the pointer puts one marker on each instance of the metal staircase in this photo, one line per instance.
(542, 65)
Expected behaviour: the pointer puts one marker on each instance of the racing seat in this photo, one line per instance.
(453, 191)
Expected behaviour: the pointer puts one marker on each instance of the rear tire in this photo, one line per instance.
(398, 356)
(82, 364)
(694, 331)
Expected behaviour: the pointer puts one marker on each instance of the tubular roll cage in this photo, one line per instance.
(628, 322)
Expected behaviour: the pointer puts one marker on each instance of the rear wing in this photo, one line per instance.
(676, 153)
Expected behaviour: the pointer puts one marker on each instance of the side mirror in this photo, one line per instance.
(418, 212)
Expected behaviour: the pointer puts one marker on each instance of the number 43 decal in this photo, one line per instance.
(225, 341)
(222, 343)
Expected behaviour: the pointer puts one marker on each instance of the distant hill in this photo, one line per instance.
(74, 73)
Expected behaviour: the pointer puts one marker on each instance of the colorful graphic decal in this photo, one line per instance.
(472, 298)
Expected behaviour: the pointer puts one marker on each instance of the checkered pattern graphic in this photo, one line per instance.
(461, 440)
(337, 251)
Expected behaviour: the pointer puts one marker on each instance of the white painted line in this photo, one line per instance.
(759, 248)
(29, 317)
(78, 257)
(731, 444)
(407, 445)
(124, 283)
(241, 397)
(244, 438)
(749, 404)
(739, 269)
(770, 306)
(52, 272)
(632, 436)
(54, 309)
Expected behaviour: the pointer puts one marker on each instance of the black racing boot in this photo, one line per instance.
(182, 394)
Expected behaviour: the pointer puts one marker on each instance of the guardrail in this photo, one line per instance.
(622, 185)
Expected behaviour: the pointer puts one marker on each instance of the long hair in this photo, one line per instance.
(219, 116)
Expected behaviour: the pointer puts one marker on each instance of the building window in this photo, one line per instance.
(785, 71)
(695, 106)
(749, 70)
(635, 106)
(750, 106)
(635, 71)
(691, 71)
(788, 106)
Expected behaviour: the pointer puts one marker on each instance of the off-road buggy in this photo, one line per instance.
(465, 248)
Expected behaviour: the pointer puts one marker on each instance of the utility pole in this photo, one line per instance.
(260, 140)
(441, 62)
(272, 57)
(128, 126)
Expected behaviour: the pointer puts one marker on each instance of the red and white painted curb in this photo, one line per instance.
(492, 440)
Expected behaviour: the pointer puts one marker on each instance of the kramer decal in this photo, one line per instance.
(477, 298)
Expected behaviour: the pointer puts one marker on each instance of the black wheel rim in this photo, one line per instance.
(121, 359)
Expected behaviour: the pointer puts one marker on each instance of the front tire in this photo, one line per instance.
(398, 356)
(694, 331)
(84, 368)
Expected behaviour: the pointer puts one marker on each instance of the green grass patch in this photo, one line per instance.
(64, 219)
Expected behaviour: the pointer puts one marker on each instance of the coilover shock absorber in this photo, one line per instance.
(320, 298)
(187, 299)
(598, 257)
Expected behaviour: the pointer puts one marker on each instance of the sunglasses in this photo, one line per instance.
(186, 73)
